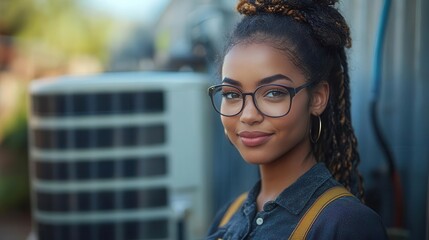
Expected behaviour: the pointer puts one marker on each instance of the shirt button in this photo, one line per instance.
(259, 221)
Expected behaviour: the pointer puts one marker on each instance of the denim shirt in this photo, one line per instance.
(344, 218)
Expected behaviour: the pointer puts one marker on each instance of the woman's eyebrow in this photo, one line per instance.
(231, 81)
(273, 78)
(266, 80)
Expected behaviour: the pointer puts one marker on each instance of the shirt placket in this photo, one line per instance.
(257, 224)
(249, 213)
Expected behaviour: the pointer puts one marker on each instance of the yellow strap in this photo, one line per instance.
(304, 225)
(232, 209)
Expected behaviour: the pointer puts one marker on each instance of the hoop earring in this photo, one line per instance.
(318, 133)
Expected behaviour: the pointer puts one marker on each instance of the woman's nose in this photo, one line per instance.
(250, 114)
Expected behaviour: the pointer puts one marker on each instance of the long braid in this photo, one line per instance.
(287, 25)
(352, 157)
(338, 146)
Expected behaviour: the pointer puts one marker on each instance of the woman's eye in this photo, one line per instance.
(276, 93)
(231, 95)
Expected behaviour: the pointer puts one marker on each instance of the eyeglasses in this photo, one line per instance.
(272, 100)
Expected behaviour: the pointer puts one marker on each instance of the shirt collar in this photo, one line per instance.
(296, 196)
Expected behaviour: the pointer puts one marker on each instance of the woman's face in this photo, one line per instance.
(258, 138)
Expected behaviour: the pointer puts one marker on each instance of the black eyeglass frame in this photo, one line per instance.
(292, 91)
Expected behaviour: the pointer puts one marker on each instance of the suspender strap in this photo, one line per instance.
(304, 225)
(232, 209)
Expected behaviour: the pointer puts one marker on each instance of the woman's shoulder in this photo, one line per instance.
(348, 218)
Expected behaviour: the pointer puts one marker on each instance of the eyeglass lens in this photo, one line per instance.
(271, 100)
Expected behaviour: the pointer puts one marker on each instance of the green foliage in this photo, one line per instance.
(15, 130)
(14, 188)
(60, 24)
(14, 182)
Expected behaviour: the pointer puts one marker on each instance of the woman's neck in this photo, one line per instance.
(280, 174)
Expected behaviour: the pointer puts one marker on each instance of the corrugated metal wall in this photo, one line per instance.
(404, 105)
(403, 109)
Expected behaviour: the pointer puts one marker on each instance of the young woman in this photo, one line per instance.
(284, 103)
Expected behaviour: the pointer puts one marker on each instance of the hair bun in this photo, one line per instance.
(323, 18)
(252, 7)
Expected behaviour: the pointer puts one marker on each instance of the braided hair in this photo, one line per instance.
(314, 36)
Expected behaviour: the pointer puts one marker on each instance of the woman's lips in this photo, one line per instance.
(254, 139)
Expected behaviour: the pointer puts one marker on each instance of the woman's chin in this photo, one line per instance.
(254, 159)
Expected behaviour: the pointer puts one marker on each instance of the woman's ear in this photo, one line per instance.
(320, 98)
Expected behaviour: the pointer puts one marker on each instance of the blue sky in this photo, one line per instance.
(144, 11)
